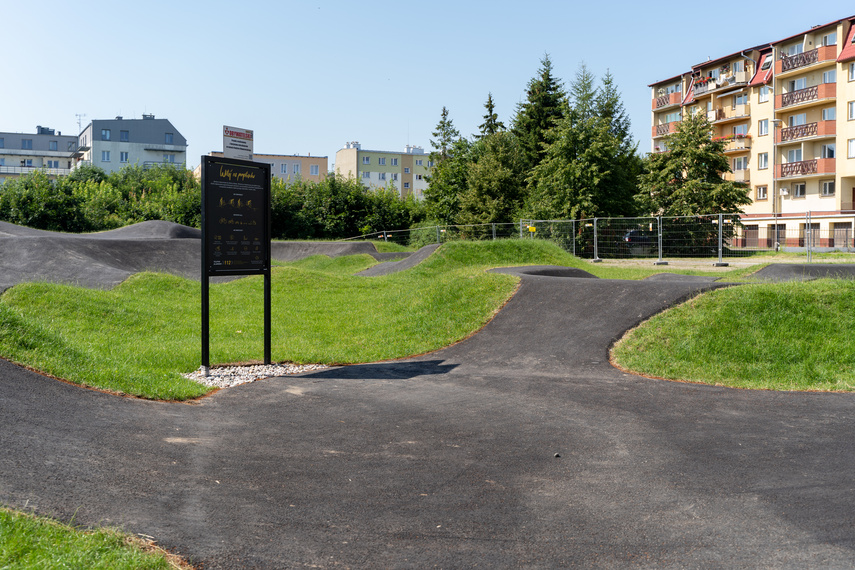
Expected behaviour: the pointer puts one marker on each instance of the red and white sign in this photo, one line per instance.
(237, 143)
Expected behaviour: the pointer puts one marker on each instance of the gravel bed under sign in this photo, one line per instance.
(225, 376)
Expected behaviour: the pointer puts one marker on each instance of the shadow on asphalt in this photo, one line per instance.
(385, 370)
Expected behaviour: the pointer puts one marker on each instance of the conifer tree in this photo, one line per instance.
(539, 113)
(491, 124)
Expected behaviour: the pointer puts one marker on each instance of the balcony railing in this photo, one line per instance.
(823, 128)
(737, 145)
(665, 129)
(815, 93)
(807, 167)
(799, 60)
(29, 169)
(791, 62)
(730, 112)
(667, 100)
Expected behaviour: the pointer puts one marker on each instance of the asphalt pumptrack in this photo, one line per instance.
(520, 447)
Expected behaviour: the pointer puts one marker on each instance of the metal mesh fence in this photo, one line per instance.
(714, 236)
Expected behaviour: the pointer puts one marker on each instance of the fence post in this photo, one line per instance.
(596, 254)
(809, 236)
(494, 232)
(521, 224)
(438, 236)
(660, 261)
(720, 263)
(573, 235)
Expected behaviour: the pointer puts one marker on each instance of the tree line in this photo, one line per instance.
(567, 154)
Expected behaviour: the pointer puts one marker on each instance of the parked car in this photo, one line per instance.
(640, 242)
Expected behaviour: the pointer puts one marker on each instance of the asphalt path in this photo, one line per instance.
(519, 447)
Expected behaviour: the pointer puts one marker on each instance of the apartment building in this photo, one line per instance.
(786, 110)
(289, 167)
(46, 149)
(405, 171)
(112, 144)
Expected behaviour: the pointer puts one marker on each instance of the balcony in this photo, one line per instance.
(818, 55)
(743, 176)
(809, 95)
(668, 100)
(738, 144)
(665, 129)
(816, 166)
(730, 113)
(820, 129)
(29, 169)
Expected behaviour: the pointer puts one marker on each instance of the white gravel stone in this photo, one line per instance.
(225, 376)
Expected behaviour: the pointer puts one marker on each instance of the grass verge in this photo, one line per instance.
(30, 542)
(784, 336)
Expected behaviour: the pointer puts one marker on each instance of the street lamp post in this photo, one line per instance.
(775, 124)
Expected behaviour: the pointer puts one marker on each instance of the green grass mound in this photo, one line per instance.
(787, 336)
(139, 337)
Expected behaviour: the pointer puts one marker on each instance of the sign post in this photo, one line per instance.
(235, 231)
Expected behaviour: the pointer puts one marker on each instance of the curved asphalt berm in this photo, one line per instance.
(449, 459)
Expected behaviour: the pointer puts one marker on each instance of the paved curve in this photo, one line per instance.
(449, 459)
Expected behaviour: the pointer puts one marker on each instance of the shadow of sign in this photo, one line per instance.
(385, 370)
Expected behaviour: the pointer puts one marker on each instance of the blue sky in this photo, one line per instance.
(309, 76)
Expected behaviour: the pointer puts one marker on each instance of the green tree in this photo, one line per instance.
(687, 179)
(572, 180)
(445, 134)
(539, 113)
(447, 182)
(496, 181)
(36, 201)
(491, 124)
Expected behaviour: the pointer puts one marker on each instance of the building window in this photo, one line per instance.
(852, 71)
(740, 130)
(406, 170)
(851, 148)
(71, 146)
(828, 188)
(419, 162)
(2, 143)
(829, 114)
(314, 170)
(794, 155)
(797, 84)
(794, 49)
(296, 169)
(28, 163)
(796, 120)
(123, 157)
(830, 39)
(105, 156)
(430, 164)
(763, 161)
(381, 175)
(827, 151)
(418, 176)
(406, 184)
(761, 192)
(740, 99)
(394, 162)
(2, 162)
(170, 158)
(395, 176)
(53, 164)
(764, 93)
(26, 144)
(168, 137)
(673, 117)
(829, 76)
(381, 161)
(366, 174)
(124, 136)
(738, 66)
(851, 110)
(763, 127)
(740, 163)
(799, 190)
(105, 134)
(283, 169)
(53, 145)
(366, 160)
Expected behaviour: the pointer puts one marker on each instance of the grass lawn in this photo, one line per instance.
(37, 543)
(783, 336)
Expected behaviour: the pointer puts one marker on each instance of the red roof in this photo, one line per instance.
(848, 51)
(690, 95)
(762, 77)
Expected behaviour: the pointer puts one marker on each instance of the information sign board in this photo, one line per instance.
(237, 143)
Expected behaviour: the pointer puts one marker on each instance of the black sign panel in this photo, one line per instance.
(235, 216)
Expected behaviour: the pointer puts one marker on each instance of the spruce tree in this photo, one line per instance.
(491, 124)
(446, 134)
(539, 113)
